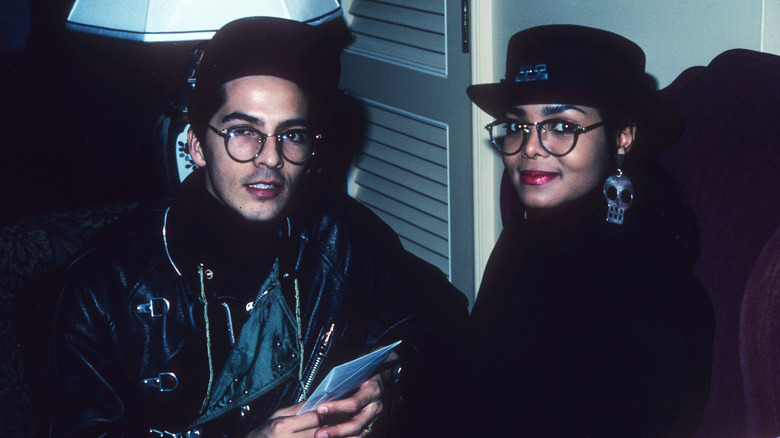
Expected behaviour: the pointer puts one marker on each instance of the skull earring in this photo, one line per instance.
(619, 193)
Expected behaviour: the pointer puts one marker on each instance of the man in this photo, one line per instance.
(218, 314)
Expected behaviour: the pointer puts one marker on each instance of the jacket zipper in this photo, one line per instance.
(321, 353)
(229, 318)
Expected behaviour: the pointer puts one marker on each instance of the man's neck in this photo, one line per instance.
(204, 228)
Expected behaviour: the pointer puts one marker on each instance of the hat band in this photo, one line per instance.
(530, 73)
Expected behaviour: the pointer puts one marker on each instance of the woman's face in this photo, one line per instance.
(542, 180)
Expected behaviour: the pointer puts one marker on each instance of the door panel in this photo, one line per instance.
(408, 72)
(401, 173)
(402, 31)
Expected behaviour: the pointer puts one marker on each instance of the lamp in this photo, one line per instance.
(186, 20)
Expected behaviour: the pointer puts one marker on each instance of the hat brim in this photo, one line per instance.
(657, 117)
(496, 99)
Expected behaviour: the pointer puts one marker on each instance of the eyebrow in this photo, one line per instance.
(551, 110)
(548, 110)
(238, 115)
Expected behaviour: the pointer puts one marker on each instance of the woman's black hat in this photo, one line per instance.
(583, 66)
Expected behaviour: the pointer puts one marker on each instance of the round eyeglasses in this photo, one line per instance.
(557, 136)
(244, 143)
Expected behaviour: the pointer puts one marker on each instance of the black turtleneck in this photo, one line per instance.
(575, 315)
(591, 208)
(240, 254)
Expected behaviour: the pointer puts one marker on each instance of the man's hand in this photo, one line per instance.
(353, 416)
(284, 423)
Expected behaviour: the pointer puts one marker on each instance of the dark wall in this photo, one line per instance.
(77, 113)
(77, 116)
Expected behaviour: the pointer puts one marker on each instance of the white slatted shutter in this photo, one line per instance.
(407, 70)
(406, 32)
(401, 173)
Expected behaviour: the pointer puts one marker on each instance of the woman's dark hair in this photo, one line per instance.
(658, 207)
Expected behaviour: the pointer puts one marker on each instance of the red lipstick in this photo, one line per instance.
(536, 177)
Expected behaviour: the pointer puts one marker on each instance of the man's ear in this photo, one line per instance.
(196, 151)
(625, 138)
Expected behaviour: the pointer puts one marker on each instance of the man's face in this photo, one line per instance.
(261, 189)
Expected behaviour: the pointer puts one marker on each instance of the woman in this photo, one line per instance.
(588, 321)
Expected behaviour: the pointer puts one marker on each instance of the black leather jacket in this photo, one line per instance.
(133, 331)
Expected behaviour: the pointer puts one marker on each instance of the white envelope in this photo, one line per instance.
(346, 377)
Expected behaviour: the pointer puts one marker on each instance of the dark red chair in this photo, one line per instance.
(727, 163)
(758, 342)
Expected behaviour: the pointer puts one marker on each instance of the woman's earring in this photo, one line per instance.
(619, 193)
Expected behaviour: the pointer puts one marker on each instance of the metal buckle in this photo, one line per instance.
(187, 434)
(155, 307)
(165, 382)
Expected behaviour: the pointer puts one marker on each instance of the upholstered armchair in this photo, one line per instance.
(728, 165)
(30, 248)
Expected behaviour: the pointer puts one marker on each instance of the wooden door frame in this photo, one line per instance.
(485, 67)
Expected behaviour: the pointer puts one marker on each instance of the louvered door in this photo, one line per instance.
(406, 31)
(407, 69)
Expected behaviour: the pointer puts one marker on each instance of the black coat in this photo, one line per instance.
(352, 273)
(587, 329)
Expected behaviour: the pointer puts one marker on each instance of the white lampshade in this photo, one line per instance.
(186, 20)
